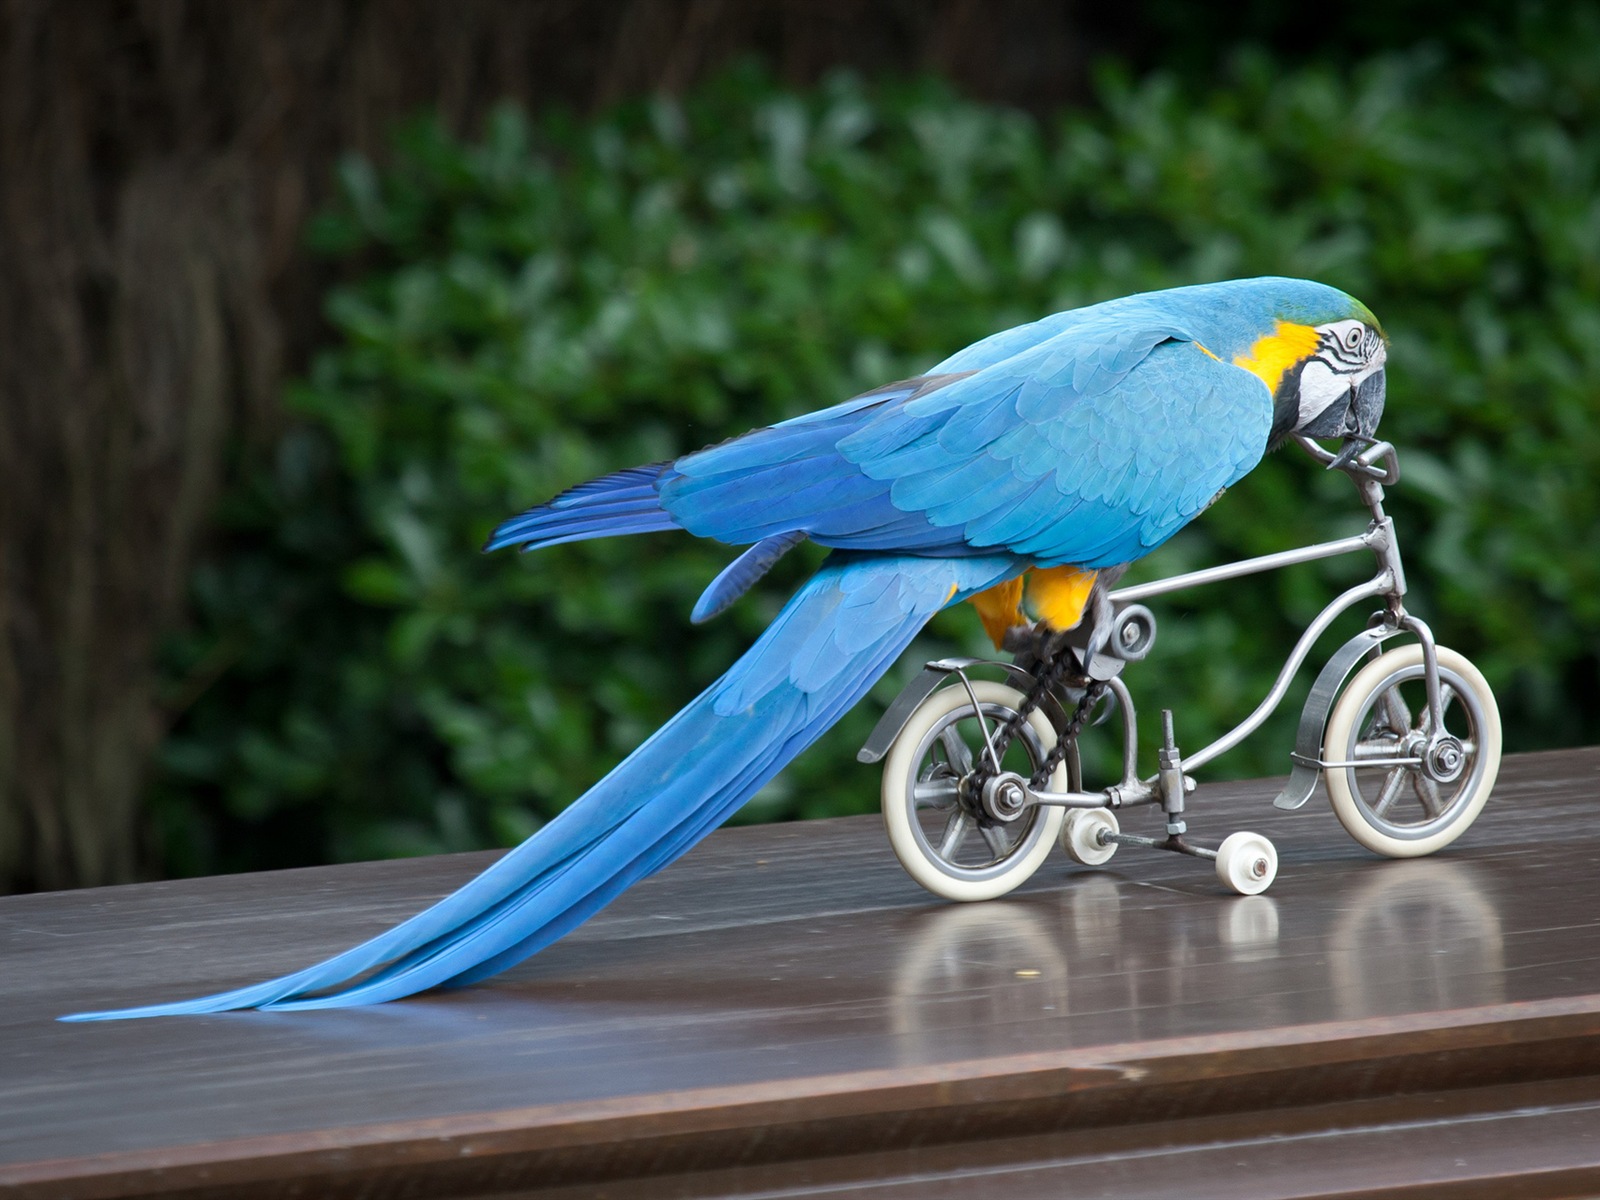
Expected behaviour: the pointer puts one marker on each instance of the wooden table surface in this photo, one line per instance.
(785, 1013)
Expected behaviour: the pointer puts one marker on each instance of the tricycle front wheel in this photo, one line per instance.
(940, 837)
(1403, 811)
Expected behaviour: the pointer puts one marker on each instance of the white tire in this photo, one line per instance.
(1399, 811)
(1247, 863)
(1080, 835)
(941, 844)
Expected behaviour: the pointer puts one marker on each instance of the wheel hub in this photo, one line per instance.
(1005, 797)
(1444, 758)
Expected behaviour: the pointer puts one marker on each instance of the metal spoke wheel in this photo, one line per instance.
(940, 834)
(1419, 794)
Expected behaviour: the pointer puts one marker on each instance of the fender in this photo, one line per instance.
(923, 685)
(1314, 716)
(1133, 632)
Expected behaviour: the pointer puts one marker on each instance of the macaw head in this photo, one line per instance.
(1338, 388)
(1323, 362)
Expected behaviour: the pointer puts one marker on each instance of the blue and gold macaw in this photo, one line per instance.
(1044, 458)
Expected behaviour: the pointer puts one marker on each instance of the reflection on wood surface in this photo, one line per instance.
(786, 1011)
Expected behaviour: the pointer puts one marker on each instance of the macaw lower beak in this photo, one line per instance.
(1361, 418)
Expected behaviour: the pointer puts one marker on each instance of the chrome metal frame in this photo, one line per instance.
(1374, 468)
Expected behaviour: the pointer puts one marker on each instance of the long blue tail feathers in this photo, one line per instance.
(832, 641)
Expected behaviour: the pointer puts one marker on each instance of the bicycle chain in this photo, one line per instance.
(1069, 735)
(1054, 673)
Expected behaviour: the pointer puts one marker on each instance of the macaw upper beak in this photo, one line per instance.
(1361, 418)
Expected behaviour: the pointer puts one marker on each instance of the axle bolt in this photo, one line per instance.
(1445, 759)
(1005, 797)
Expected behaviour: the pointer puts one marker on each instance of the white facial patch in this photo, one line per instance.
(1348, 354)
(1320, 387)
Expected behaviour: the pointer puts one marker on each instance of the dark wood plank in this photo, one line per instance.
(1538, 1140)
(787, 995)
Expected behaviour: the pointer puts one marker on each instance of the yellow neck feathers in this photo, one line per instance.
(1279, 350)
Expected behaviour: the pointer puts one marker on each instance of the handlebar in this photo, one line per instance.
(1379, 462)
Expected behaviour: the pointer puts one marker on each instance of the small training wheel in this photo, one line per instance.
(1080, 835)
(1247, 863)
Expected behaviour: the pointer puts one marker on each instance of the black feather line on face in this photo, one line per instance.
(1286, 405)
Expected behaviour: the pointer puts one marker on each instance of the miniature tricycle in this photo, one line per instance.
(1409, 749)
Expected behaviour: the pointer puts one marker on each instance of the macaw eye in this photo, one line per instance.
(1352, 338)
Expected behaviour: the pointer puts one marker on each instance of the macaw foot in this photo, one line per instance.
(1039, 644)
(1100, 616)
(1036, 645)
(1022, 638)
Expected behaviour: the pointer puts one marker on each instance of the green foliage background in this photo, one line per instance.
(562, 298)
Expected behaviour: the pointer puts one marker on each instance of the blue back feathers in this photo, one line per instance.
(1088, 437)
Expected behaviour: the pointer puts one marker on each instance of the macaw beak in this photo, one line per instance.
(1361, 418)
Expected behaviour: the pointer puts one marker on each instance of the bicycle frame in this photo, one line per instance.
(1374, 467)
(1389, 581)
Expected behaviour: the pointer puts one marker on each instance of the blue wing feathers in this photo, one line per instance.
(1003, 522)
(772, 502)
(887, 433)
(953, 468)
(979, 423)
(950, 465)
